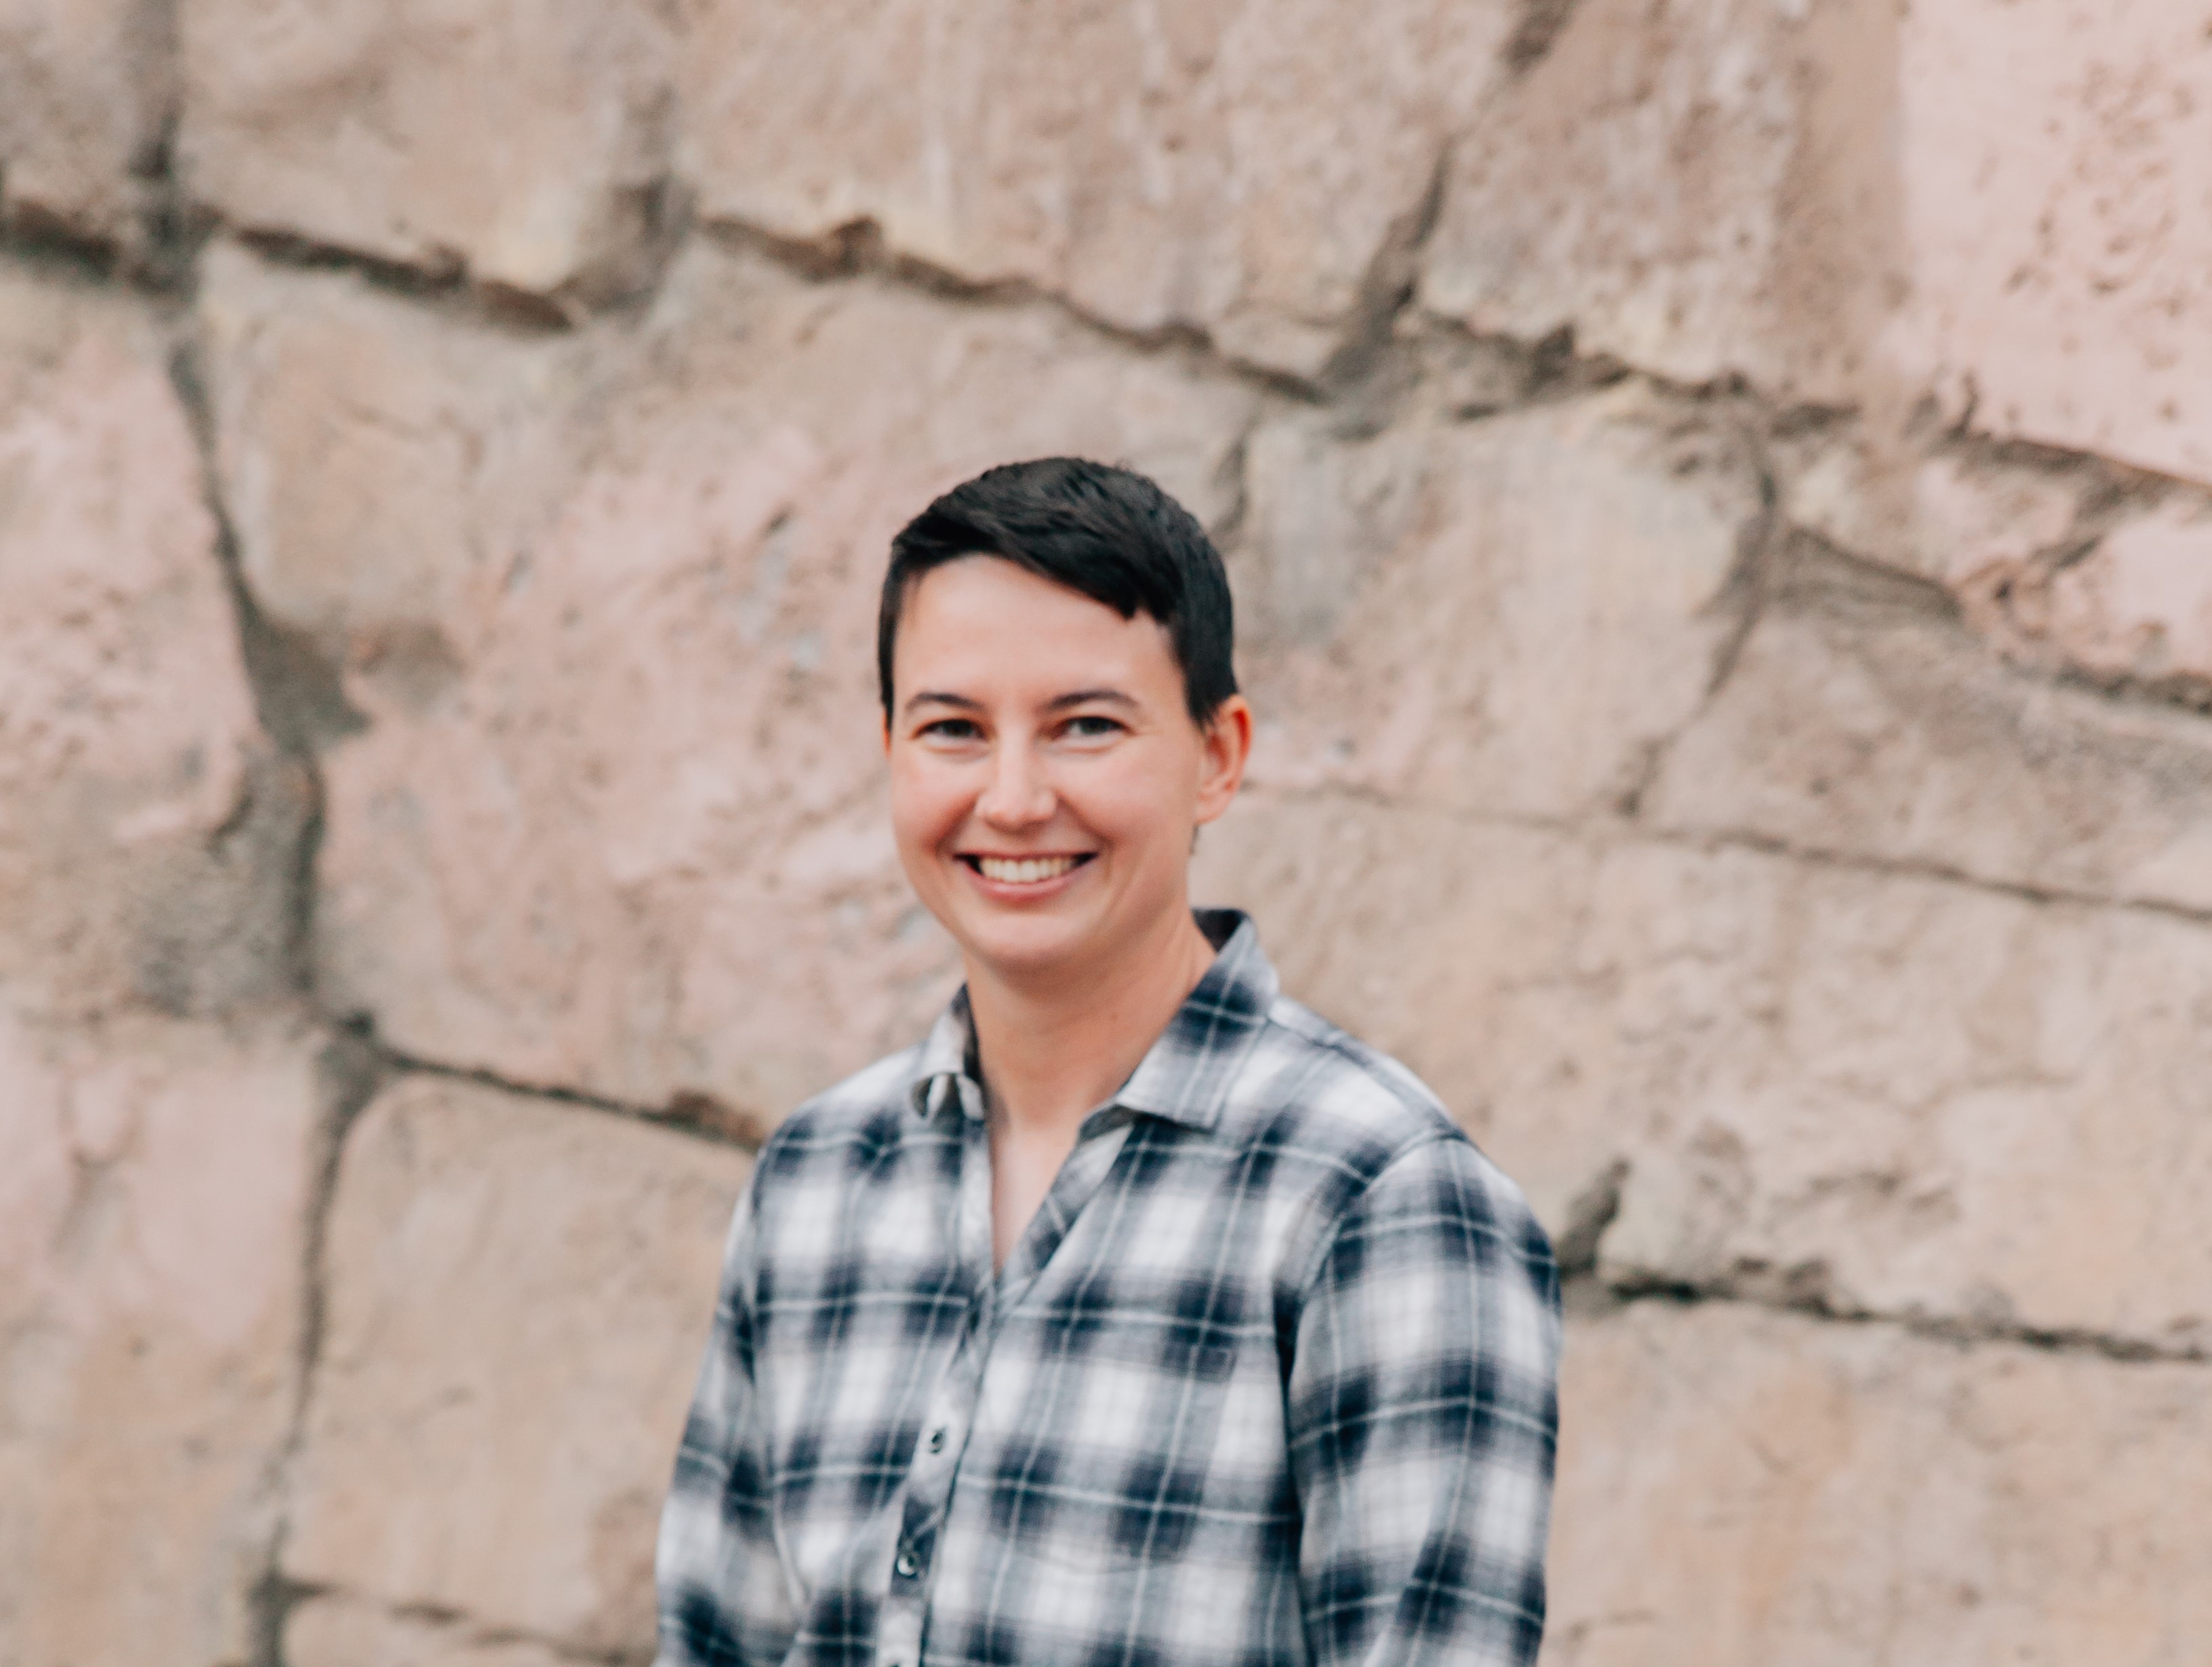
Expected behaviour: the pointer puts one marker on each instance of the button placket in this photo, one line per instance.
(951, 1408)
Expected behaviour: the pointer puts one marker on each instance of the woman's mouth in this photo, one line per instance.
(1024, 870)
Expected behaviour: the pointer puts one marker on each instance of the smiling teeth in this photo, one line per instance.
(1024, 871)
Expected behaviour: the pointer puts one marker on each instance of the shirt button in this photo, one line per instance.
(906, 1565)
(937, 1439)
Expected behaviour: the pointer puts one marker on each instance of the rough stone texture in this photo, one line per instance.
(517, 1297)
(1740, 1488)
(1410, 599)
(1967, 523)
(1887, 1093)
(1696, 187)
(153, 1205)
(335, 1632)
(1238, 165)
(2138, 608)
(615, 819)
(85, 97)
(146, 826)
(2053, 560)
(1844, 202)
(2060, 267)
(1732, 656)
(525, 141)
(1860, 719)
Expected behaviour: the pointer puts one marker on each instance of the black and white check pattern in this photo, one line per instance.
(1270, 1379)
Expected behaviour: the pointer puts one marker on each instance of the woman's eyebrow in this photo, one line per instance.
(1085, 696)
(936, 698)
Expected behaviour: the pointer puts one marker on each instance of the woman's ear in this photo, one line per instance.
(1228, 746)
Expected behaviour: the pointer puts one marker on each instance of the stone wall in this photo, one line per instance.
(1720, 493)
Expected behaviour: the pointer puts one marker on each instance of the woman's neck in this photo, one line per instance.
(1053, 1050)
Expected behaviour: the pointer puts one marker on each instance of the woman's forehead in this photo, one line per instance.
(984, 618)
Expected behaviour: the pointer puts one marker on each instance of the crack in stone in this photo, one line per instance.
(1926, 870)
(41, 244)
(1386, 286)
(1535, 33)
(475, 1633)
(857, 249)
(296, 694)
(689, 1111)
(446, 286)
(299, 706)
(1592, 1211)
(1594, 1296)
(348, 1075)
(1612, 829)
(1752, 582)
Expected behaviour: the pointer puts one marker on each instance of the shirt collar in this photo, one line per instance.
(1185, 1075)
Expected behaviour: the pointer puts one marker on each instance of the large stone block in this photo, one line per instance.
(1238, 165)
(1842, 202)
(1739, 1487)
(374, 457)
(525, 141)
(86, 87)
(517, 1295)
(1875, 728)
(1507, 615)
(1890, 1094)
(147, 830)
(1696, 187)
(615, 821)
(2060, 268)
(153, 1202)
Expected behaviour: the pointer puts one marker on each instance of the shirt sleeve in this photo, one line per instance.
(1424, 1414)
(724, 1602)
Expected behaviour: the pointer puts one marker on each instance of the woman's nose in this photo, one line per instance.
(1018, 795)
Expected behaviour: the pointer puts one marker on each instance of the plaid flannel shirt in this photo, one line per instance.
(1270, 1378)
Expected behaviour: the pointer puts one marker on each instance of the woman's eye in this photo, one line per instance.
(952, 729)
(1091, 726)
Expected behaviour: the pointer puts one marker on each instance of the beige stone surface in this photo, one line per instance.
(146, 827)
(517, 1294)
(1696, 186)
(1844, 203)
(86, 87)
(2061, 265)
(2138, 607)
(153, 1196)
(1234, 165)
(2055, 567)
(1897, 1095)
(1873, 727)
(336, 1632)
(1507, 615)
(1738, 1488)
(615, 822)
(1969, 523)
(525, 141)
(374, 457)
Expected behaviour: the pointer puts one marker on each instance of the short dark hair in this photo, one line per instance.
(1108, 532)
